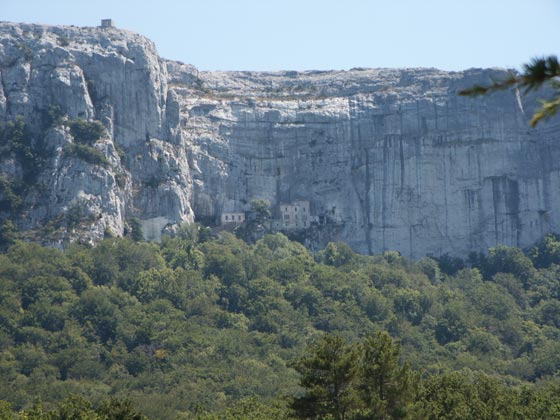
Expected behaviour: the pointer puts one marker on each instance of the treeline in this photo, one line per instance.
(74, 408)
(199, 325)
(342, 381)
(366, 381)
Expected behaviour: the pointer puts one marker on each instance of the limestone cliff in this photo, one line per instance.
(108, 75)
(388, 159)
(394, 158)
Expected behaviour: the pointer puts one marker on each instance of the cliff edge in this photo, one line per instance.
(379, 158)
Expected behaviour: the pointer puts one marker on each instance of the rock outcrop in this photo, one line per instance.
(395, 157)
(116, 78)
(388, 159)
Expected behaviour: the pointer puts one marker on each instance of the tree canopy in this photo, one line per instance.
(210, 328)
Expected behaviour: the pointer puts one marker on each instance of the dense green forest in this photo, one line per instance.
(212, 327)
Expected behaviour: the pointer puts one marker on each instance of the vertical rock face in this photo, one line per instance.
(387, 159)
(394, 158)
(116, 78)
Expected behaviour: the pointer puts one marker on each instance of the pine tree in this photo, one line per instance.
(386, 387)
(540, 71)
(327, 373)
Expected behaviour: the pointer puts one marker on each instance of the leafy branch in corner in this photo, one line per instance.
(535, 74)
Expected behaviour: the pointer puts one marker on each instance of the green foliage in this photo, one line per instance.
(502, 259)
(6, 412)
(136, 229)
(460, 396)
(367, 381)
(450, 265)
(336, 254)
(86, 153)
(53, 116)
(75, 408)
(207, 328)
(327, 374)
(430, 267)
(540, 71)
(26, 51)
(546, 252)
(31, 153)
(75, 215)
(386, 388)
(261, 208)
(153, 182)
(63, 41)
(252, 409)
(116, 409)
(86, 132)
(10, 201)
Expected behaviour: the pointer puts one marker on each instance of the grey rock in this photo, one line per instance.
(389, 159)
(117, 78)
(395, 158)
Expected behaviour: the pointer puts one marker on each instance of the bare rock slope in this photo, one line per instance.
(387, 158)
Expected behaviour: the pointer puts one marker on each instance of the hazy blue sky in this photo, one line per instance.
(321, 34)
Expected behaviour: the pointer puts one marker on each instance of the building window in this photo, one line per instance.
(226, 218)
(304, 209)
(238, 217)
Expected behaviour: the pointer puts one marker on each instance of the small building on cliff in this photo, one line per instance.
(107, 23)
(295, 215)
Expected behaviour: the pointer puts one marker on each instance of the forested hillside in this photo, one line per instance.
(199, 325)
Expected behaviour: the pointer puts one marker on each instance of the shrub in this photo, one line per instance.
(52, 116)
(15, 138)
(9, 200)
(448, 264)
(26, 50)
(86, 132)
(75, 215)
(87, 154)
(136, 227)
(63, 41)
(153, 182)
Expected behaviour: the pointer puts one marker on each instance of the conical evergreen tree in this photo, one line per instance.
(386, 387)
(327, 373)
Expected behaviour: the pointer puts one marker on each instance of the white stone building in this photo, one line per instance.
(295, 215)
